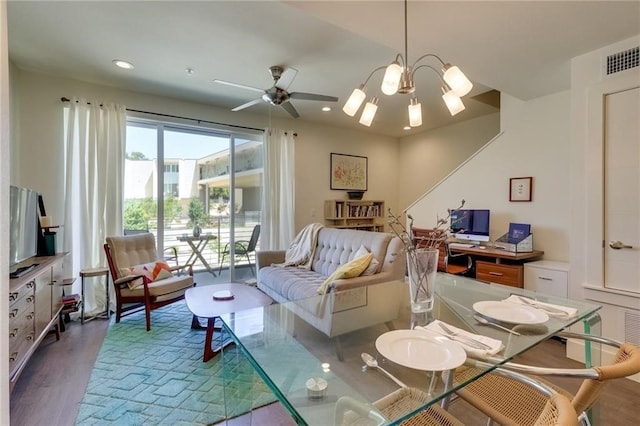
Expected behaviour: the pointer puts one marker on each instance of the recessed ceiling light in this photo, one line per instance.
(406, 128)
(189, 71)
(123, 64)
(326, 109)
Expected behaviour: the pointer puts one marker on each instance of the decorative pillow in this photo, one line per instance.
(373, 266)
(150, 272)
(349, 270)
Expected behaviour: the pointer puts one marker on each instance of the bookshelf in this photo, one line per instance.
(364, 215)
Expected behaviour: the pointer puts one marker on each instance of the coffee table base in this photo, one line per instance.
(209, 350)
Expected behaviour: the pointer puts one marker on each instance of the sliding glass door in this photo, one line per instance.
(199, 190)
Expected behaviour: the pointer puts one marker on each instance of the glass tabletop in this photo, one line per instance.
(317, 343)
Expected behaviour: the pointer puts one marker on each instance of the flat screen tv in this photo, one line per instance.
(472, 225)
(23, 224)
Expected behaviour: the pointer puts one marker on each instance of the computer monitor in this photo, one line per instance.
(471, 225)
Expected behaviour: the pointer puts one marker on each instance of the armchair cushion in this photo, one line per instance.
(152, 271)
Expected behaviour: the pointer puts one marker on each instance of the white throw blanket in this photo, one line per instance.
(302, 248)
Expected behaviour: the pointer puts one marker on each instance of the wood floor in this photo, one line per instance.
(53, 384)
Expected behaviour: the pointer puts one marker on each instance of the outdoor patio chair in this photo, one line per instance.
(243, 248)
(142, 279)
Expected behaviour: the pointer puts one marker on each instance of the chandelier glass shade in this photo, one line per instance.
(398, 78)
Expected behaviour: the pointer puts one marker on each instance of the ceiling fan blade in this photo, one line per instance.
(286, 78)
(290, 109)
(241, 86)
(312, 97)
(248, 104)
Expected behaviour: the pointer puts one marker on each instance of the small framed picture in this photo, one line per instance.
(520, 188)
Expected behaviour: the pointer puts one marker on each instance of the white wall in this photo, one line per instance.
(534, 142)
(587, 79)
(38, 156)
(428, 157)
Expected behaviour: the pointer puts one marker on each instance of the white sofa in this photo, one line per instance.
(352, 303)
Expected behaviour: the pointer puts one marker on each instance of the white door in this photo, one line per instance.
(622, 191)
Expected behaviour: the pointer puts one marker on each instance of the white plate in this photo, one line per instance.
(512, 313)
(420, 350)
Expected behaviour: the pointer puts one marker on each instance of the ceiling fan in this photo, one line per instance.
(277, 94)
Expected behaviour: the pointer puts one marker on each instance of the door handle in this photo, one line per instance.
(617, 245)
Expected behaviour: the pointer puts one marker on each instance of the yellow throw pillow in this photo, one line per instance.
(349, 270)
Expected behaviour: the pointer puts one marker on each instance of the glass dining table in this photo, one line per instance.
(301, 367)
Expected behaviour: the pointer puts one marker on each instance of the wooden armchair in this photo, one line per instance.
(135, 290)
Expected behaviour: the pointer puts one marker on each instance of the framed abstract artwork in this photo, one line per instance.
(348, 172)
(520, 188)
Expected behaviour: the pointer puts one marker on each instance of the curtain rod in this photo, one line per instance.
(63, 99)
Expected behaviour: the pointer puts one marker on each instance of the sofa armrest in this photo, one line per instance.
(268, 257)
(361, 281)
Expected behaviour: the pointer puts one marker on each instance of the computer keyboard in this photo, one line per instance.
(461, 245)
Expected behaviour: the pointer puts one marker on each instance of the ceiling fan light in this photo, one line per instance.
(453, 102)
(456, 79)
(369, 112)
(415, 113)
(391, 79)
(355, 100)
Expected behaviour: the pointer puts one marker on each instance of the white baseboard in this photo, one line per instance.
(575, 351)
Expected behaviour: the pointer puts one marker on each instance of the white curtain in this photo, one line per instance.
(278, 201)
(95, 144)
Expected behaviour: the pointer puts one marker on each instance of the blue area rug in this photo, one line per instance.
(158, 377)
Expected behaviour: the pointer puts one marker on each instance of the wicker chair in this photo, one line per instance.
(131, 250)
(558, 410)
(507, 399)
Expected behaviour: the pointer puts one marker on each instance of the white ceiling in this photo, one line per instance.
(518, 47)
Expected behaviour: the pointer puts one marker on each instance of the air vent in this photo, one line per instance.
(631, 321)
(623, 60)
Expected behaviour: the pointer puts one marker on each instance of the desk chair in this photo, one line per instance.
(243, 248)
(508, 398)
(445, 255)
(126, 252)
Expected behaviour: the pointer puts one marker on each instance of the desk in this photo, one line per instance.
(197, 248)
(497, 265)
(287, 351)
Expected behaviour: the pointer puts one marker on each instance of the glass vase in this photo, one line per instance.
(422, 265)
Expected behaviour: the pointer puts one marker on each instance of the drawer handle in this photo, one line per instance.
(13, 313)
(29, 337)
(30, 284)
(14, 332)
(30, 316)
(497, 274)
(30, 299)
(13, 357)
(13, 296)
(545, 278)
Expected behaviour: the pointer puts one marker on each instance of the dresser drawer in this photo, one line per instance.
(21, 327)
(512, 275)
(17, 355)
(20, 293)
(547, 277)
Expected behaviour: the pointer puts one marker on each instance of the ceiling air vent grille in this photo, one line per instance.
(623, 60)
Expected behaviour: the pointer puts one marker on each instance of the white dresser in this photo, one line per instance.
(546, 276)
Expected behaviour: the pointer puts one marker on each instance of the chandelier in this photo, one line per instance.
(398, 78)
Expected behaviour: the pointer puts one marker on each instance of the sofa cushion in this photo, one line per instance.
(350, 269)
(289, 283)
(373, 266)
(338, 246)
